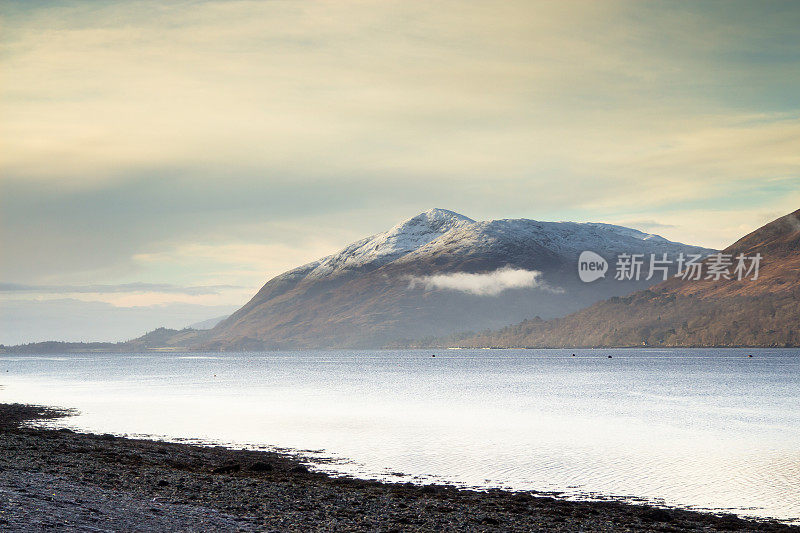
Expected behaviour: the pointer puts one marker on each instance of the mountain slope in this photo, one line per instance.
(435, 274)
(779, 244)
(681, 312)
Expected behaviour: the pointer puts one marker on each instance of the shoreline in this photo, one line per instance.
(63, 348)
(59, 478)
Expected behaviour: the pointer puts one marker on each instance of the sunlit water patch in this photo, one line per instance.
(708, 429)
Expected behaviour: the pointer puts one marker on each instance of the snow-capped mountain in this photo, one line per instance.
(435, 274)
(385, 247)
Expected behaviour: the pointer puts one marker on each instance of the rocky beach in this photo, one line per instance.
(57, 479)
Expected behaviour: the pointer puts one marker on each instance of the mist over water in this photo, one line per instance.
(711, 428)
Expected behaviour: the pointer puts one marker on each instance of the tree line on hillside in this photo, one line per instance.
(654, 319)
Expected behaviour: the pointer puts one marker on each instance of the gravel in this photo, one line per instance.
(61, 480)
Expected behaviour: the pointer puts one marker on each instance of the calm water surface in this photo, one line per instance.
(709, 429)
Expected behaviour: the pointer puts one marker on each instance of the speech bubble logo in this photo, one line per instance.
(591, 266)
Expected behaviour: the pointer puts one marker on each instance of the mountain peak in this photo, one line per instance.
(435, 217)
(389, 245)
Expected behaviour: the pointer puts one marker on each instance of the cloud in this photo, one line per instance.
(112, 289)
(467, 91)
(274, 258)
(486, 284)
(69, 319)
(644, 225)
(219, 143)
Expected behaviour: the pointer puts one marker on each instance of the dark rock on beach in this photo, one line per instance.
(258, 466)
(62, 480)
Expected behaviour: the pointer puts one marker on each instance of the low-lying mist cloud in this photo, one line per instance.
(486, 284)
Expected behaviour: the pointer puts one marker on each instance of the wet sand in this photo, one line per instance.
(58, 479)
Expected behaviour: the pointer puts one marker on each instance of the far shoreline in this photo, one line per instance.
(175, 485)
(65, 348)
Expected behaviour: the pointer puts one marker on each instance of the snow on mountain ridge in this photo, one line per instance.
(563, 238)
(403, 238)
(427, 231)
(635, 233)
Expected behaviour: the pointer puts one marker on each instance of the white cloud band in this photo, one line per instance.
(485, 284)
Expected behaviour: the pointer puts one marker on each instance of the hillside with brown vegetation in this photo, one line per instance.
(680, 312)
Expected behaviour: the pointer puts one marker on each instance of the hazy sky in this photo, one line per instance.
(178, 154)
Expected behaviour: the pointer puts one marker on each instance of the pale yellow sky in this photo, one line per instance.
(220, 143)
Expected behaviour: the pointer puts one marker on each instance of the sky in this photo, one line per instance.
(160, 161)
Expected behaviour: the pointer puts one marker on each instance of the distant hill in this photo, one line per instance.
(160, 339)
(435, 274)
(207, 324)
(685, 312)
